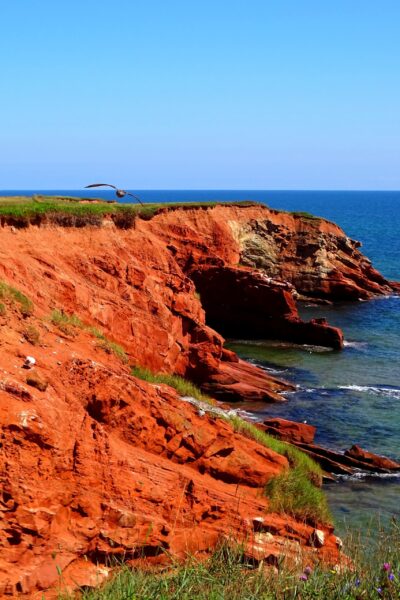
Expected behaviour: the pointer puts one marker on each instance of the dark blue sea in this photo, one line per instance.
(351, 396)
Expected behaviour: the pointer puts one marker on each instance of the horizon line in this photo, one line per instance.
(205, 189)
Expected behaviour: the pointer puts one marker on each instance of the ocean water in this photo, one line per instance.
(351, 396)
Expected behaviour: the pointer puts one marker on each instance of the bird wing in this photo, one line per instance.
(100, 185)
(136, 198)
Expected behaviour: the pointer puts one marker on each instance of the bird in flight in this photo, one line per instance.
(119, 193)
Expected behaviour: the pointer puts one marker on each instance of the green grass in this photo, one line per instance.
(181, 385)
(68, 323)
(107, 345)
(305, 215)
(10, 294)
(294, 492)
(228, 575)
(65, 322)
(73, 212)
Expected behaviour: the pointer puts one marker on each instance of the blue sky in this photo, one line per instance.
(255, 94)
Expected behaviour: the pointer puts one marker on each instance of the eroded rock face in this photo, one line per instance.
(290, 431)
(249, 305)
(100, 465)
(312, 254)
(97, 463)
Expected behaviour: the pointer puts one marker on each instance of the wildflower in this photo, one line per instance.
(391, 576)
(303, 577)
(379, 590)
(308, 570)
(357, 582)
(386, 566)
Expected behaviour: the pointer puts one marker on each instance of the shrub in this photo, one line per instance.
(125, 218)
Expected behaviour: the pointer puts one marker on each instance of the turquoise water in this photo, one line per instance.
(351, 396)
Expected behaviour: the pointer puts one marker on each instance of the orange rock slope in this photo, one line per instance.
(95, 462)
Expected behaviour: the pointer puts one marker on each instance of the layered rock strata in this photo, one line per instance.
(349, 462)
(96, 463)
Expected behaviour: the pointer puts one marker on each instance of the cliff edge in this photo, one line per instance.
(97, 463)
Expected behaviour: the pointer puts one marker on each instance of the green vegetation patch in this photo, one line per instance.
(66, 211)
(229, 575)
(65, 322)
(305, 215)
(181, 385)
(68, 323)
(295, 492)
(107, 345)
(12, 295)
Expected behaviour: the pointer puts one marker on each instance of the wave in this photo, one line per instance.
(272, 370)
(391, 392)
(347, 344)
(367, 475)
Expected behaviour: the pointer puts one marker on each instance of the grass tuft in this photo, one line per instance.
(107, 345)
(295, 492)
(15, 297)
(228, 575)
(182, 386)
(67, 323)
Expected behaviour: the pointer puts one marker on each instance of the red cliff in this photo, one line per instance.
(97, 463)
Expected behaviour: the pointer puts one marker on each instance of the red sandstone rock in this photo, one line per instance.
(100, 464)
(374, 460)
(312, 254)
(103, 465)
(290, 431)
(240, 381)
(350, 461)
(244, 303)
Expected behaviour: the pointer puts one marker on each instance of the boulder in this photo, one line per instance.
(372, 460)
(290, 431)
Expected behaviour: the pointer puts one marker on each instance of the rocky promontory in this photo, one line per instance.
(96, 463)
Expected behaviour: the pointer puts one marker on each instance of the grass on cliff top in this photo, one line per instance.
(10, 294)
(228, 575)
(80, 212)
(295, 492)
(67, 323)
